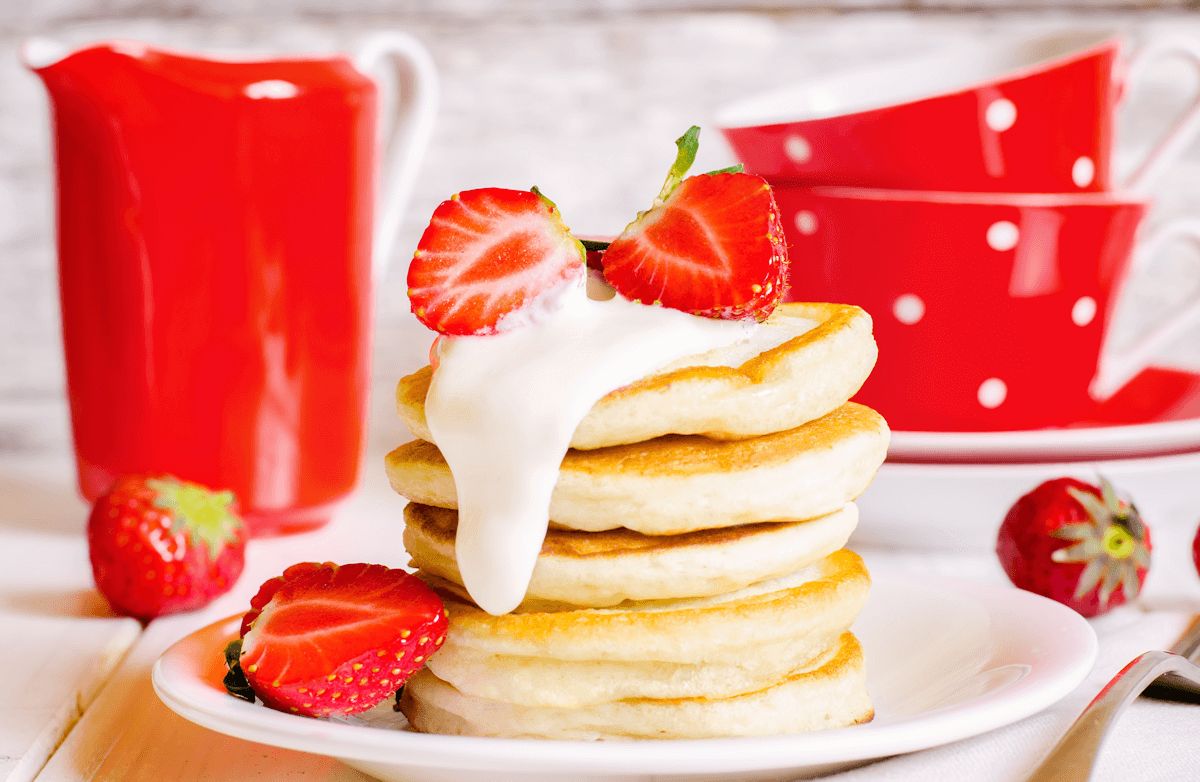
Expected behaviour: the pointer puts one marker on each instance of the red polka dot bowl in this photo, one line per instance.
(1027, 115)
(991, 310)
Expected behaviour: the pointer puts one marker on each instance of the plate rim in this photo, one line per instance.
(1030, 444)
(352, 743)
(965, 469)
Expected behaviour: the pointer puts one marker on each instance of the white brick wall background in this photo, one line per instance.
(582, 99)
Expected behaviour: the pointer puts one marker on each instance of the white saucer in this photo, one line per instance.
(1099, 442)
(960, 506)
(946, 660)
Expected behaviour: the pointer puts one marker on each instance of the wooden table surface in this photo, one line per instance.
(86, 709)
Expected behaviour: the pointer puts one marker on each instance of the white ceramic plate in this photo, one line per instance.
(960, 506)
(946, 660)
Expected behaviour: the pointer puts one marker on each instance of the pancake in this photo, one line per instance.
(831, 694)
(677, 483)
(806, 360)
(542, 681)
(599, 569)
(811, 602)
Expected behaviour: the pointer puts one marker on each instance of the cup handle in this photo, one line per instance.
(1187, 124)
(1115, 369)
(407, 110)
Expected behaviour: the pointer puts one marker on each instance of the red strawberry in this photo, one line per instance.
(1196, 550)
(268, 588)
(161, 545)
(595, 246)
(1076, 543)
(711, 244)
(488, 254)
(326, 639)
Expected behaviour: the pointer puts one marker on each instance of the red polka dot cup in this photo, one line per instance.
(991, 310)
(1026, 116)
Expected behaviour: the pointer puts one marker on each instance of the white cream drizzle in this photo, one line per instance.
(502, 409)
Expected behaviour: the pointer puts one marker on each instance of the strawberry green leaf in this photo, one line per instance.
(736, 169)
(1109, 584)
(1109, 494)
(1089, 578)
(1082, 551)
(1075, 531)
(538, 192)
(1131, 519)
(235, 680)
(1124, 513)
(687, 144)
(205, 515)
(1130, 587)
(1098, 514)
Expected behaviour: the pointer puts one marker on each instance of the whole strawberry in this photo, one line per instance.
(161, 545)
(1076, 543)
(326, 639)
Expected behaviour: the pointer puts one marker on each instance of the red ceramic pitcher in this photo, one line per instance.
(217, 234)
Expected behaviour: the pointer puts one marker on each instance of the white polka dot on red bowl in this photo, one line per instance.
(908, 309)
(806, 222)
(1083, 171)
(1000, 114)
(1084, 311)
(1002, 235)
(797, 148)
(992, 393)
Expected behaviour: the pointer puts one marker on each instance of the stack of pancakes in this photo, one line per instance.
(693, 582)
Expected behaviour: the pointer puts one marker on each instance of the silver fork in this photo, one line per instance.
(1165, 675)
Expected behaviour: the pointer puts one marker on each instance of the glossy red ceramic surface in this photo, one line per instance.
(990, 310)
(214, 254)
(1156, 395)
(1047, 127)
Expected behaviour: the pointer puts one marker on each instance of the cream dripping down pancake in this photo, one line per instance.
(600, 569)
(802, 362)
(678, 484)
(503, 408)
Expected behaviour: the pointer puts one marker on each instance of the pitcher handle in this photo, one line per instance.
(404, 130)
(1118, 368)
(1187, 124)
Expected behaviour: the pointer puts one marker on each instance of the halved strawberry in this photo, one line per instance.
(326, 639)
(268, 588)
(711, 244)
(487, 254)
